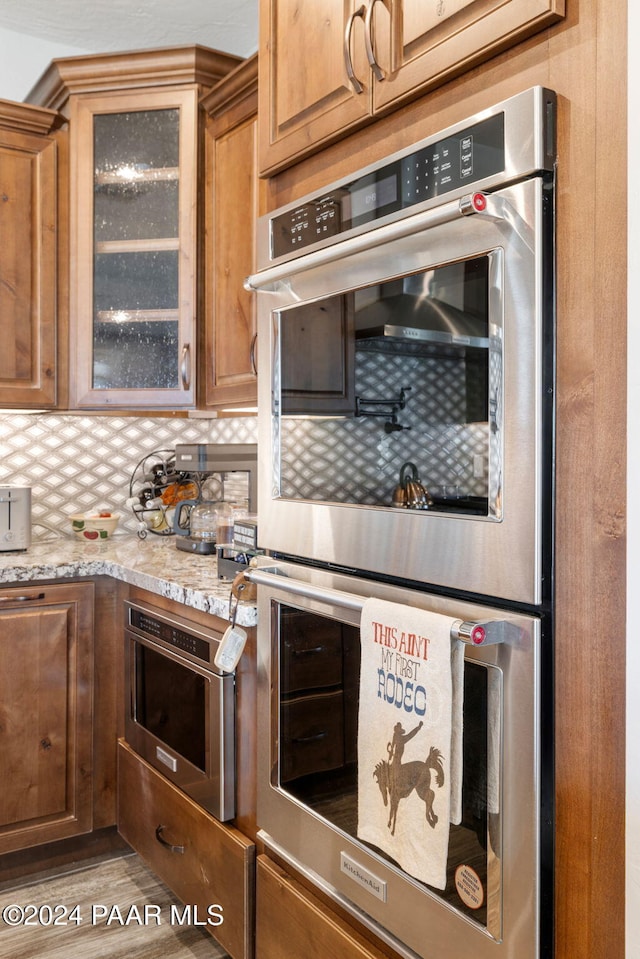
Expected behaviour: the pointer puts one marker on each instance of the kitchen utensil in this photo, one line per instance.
(410, 493)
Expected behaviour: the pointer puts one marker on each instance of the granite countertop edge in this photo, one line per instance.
(153, 564)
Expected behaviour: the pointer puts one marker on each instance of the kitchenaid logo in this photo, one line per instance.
(377, 887)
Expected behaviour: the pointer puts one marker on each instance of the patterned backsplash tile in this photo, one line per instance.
(85, 463)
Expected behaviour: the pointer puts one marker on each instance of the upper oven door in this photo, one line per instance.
(423, 342)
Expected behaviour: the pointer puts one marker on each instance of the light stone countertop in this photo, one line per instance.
(154, 564)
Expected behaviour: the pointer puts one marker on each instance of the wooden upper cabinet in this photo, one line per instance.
(134, 149)
(305, 93)
(228, 347)
(328, 68)
(28, 238)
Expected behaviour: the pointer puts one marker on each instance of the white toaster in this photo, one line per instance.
(15, 517)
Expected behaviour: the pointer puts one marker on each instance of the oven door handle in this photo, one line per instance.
(472, 203)
(487, 632)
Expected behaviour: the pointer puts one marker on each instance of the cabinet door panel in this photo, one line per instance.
(433, 41)
(133, 293)
(34, 690)
(27, 270)
(231, 375)
(306, 98)
(45, 714)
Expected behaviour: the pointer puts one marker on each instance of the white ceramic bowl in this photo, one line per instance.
(94, 527)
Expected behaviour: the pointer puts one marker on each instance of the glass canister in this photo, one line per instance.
(224, 524)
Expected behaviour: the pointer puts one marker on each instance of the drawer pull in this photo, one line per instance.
(22, 599)
(310, 739)
(307, 652)
(163, 842)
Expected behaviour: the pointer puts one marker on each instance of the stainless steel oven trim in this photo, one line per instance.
(456, 552)
(267, 280)
(517, 852)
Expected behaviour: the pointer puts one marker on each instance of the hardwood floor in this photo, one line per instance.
(123, 912)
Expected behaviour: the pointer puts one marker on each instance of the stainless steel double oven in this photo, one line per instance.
(406, 328)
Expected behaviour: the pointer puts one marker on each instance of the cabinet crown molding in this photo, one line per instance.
(26, 118)
(241, 82)
(130, 70)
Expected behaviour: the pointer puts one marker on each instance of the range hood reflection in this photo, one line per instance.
(407, 318)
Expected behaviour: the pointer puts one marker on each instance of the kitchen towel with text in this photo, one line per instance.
(409, 736)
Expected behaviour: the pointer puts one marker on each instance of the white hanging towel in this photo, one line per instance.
(409, 741)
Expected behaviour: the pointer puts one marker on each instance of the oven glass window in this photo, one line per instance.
(171, 704)
(318, 743)
(403, 371)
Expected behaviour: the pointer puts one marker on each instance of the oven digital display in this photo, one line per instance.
(363, 202)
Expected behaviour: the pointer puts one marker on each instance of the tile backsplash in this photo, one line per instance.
(78, 463)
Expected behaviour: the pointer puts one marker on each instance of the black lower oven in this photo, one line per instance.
(315, 765)
(180, 708)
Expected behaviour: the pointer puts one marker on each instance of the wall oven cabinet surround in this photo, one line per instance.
(134, 139)
(367, 58)
(208, 865)
(46, 732)
(28, 216)
(444, 255)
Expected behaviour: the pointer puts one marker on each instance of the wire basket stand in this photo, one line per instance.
(155, 488)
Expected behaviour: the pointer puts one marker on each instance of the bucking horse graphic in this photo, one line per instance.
(396, 779)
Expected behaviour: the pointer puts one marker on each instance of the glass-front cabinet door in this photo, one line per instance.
(133, 291)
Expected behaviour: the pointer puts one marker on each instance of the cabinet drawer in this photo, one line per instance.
(292, 922)
(312, 734)
(203, 861)
(312, 653)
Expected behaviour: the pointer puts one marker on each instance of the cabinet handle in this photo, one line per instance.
(348, 63)
(252, 353)
(312, 650)
(185, 366)
(310, 739)
(368, 42)
(163, 842)
(22, 599)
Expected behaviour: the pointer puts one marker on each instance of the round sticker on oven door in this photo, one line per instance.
(469, 887)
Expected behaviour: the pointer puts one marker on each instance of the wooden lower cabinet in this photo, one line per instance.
(291, 922)
(205, 863)
(46, 728)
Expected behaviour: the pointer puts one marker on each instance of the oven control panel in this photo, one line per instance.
(422, 173)
(170, 634)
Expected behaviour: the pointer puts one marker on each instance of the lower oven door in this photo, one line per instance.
(309, 651)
